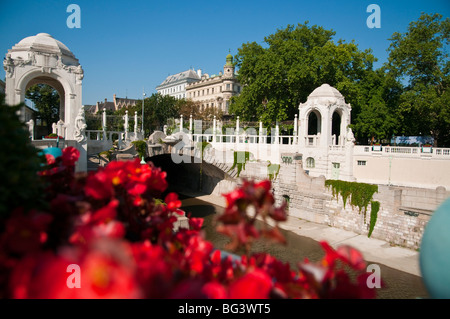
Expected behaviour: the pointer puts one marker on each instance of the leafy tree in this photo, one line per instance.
(377, 119)
(187, 107)
(47, 101)
(418, 60)
(296, 61)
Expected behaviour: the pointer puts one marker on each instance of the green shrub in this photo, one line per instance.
(19, 164)
(273, 170)
(240, 166)
(141, 148)
(374, 208)
(360, 196)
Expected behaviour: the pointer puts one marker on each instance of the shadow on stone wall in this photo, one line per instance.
(203, 177)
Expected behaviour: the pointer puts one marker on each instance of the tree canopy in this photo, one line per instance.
(47, 102)
(408, 95)
(296, 60)
(419, 61)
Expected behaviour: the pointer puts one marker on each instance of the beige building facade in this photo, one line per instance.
(215, 91)
(175, 85)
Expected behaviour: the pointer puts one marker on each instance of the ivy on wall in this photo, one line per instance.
(141, 148)
(374, 208)
(241, 165)
(360, 196)
(273, 170)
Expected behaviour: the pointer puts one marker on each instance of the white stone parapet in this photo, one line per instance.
(403, 151)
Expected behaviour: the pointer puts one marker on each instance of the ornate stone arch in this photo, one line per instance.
(319, 119)
(326, 100)
(43, 59)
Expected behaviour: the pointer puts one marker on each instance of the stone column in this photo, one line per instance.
(237, 130)
(277, 133)
(60, 128)
(125, 126)
(181, 123)
(104, 124)
(214, 129)
(295, 130)
(104, 120)
(135, 125)
(260, 132)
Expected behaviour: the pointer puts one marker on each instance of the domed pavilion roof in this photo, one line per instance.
(326, 90)
(42, 42)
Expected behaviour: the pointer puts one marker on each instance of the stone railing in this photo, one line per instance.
(249, 139)
(403, 151)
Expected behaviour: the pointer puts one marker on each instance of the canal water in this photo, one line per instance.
(399, 285)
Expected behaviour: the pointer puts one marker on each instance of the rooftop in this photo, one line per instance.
(42, 42)
(325, 90)
(189, 74)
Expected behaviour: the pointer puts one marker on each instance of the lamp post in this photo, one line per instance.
(142, 128)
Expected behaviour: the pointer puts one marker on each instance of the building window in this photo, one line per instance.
(361, 163)
(220, 88)
(212, 90)
(310, 162)
(207, 91)
(228, 86)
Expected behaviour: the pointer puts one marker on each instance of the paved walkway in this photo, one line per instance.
(373, 250)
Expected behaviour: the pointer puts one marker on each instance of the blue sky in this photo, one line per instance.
(125, 46)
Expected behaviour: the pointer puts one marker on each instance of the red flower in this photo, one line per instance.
(25, 232)
(50, 159)
(70, 156)
(106, 270)
(41, 276)
(98, 224)
(99, 185)
(254, 285)
(172, 201)
(214, 290)
(241, 234)
(107, 274)
(346, 254)
(154, 269)
(197, 253)
(195, 223)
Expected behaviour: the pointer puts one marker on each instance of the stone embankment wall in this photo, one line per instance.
(401, 220)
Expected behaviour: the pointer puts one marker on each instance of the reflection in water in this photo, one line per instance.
(399, 285)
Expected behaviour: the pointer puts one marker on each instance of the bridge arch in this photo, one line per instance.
(194, 174)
